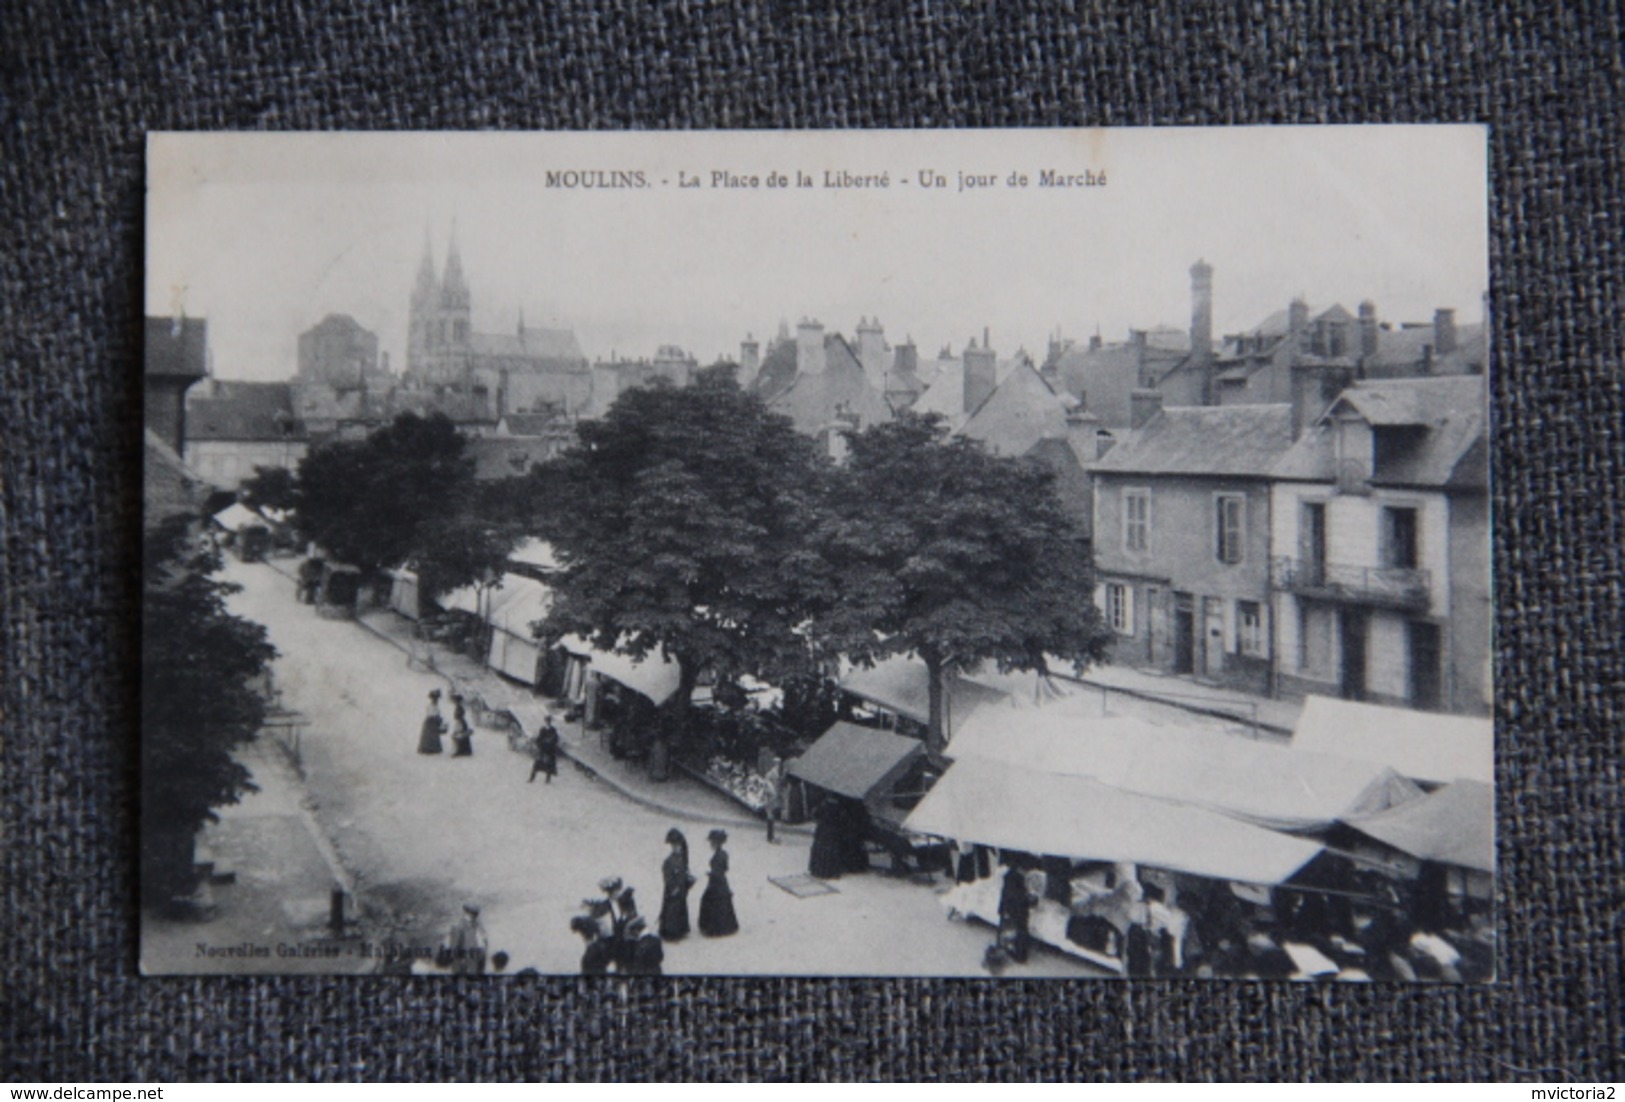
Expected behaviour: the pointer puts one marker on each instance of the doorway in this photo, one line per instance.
(1212, 636)
(1351, 643)
(1184, 633)
(1426, 649)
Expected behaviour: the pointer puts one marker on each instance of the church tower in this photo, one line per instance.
(423, 318)
(455, 311)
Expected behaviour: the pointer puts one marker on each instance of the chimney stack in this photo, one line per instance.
(1202, 309)
(809, 347)
(1444, 331)
(1368, 330)
(750, 360)
(1143, 406)
(1297, 320)
(872, 351)
(981, 374)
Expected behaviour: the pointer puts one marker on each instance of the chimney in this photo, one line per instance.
(872, 351)
(906, 358)
(1368, 330)
(750, 360)
(1427, 359)
(809, 347)
(1143, 406)
(1095, 342)
(1202, 309)
(1297, 320)
(981, 374)
(1137, 337)
(1444, 331)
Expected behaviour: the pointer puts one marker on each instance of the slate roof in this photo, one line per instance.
(532, 342)
(813, 401)
(497, 457)
(777, 370)
(1442, 437)
(168, 487)
(244, 412)
(528, 424)
(1204, 440)
(177, 347)
(1021, 411)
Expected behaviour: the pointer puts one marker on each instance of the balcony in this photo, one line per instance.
(1378, 586)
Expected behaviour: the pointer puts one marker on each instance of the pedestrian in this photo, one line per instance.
(717, 918)
(545, 753)
(771, 769)
(466, 943)
(1015, 914)
(644, 952)
(826, 858)
(433, 725)
(676, 881)
(462, 735)
(595, 958)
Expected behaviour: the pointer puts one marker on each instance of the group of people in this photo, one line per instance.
(434, 726)
(617, 937)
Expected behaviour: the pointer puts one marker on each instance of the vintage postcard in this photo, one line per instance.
(978, 553)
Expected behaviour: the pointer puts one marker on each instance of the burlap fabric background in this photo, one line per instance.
(81, 85)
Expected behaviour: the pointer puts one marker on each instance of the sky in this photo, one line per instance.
(265, 234)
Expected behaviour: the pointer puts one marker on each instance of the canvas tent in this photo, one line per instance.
(1270, 786)
(1454, 826)
(511, 610)
(404, 595)
(1014, 807)
(237, 516)
(653, 676)
(900, 684)
(855, 761)
(1425, 746)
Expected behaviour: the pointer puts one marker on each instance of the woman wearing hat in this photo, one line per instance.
(433, 725)
(462, 735)
(717, 918)
(677, 881)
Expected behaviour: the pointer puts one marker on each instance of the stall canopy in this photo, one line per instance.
(237, 516)
(1267, 785)
(900, 684)
(654, 676)
(855, 761)
(1455, 825)
(404, 593)
(1012, 807)
(535, 552)
(1423, 745)
(511, 609)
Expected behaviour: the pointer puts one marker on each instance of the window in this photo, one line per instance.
(1399, 529)
(1250, 629)
(1229, 527)
(1136, 520)
(1120, 608)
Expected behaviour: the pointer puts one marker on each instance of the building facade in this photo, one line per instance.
(1380, 573)
(1182, 539)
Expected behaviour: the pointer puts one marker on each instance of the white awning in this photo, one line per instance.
(1011, 807)
(1423, 745)
(237, 516)
(655, 676)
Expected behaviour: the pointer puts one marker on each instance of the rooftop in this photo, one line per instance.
(1205, 440)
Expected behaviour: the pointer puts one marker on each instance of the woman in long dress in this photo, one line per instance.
(826, 858)
(717, 918)
(462, 735)
(677, 881)
(429, 735)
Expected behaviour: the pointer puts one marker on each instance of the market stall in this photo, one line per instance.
(1424, 746)
(1259, 783)
(516, 605)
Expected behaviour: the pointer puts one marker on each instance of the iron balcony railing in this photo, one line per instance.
(1391, 586)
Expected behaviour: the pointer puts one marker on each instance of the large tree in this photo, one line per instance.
(959, 557)
(197, 702)
(404, 495)
(680, 521)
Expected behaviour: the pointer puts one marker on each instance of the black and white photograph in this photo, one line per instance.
(1000, 553)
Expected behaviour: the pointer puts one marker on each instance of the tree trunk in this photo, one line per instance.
(673, 721)
(936, 737)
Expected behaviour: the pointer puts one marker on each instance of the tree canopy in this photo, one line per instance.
(957, 556)
(680, 519)
(270, 488)
(405, 494)
(197, 703)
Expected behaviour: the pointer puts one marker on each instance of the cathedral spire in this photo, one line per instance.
(427, 288)
(453, 287)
